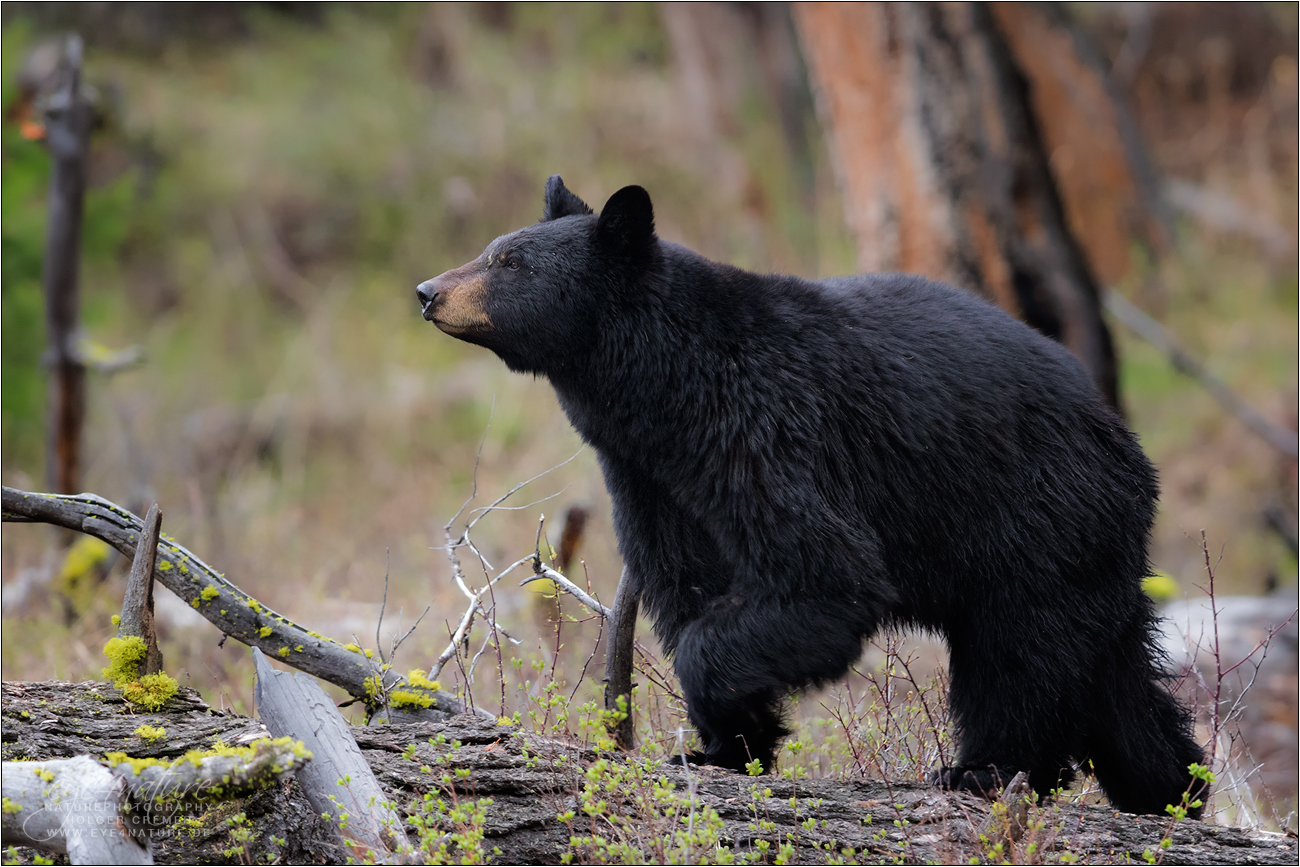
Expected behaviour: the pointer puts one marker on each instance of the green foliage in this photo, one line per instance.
(22, 236)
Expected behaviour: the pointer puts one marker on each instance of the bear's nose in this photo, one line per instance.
(427, 293)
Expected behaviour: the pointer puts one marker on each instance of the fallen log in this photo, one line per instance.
(548, 798)
(72, 807)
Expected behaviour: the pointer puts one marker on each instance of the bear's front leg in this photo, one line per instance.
(739, 661)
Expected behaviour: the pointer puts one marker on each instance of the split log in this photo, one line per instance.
(531, 780)
(294, 706)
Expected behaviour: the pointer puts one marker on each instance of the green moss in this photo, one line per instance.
(151, 733)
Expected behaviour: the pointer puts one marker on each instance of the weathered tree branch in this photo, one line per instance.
(230, 609)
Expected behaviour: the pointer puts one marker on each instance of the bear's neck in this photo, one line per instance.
(668, 364)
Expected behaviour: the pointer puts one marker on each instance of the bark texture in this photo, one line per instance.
(531, 780)
(981, 145)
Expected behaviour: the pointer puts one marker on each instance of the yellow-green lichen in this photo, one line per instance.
(209, 593)
(283, 651)
(164, 565)
(417, 678)
(85, 555)
(124, 657)
(11, 807)
(253, 604)
(195, 757)
(370, 654)
(151, 691)
(374, 686)
(355, 648)
(408, 698)
(194, 603)
(151, 733)
(298, 648)
(116, 619)
(265, 632)
(47, 776)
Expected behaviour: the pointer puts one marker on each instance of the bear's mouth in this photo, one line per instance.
(459, 329)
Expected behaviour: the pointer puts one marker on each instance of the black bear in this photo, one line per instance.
(795, 463)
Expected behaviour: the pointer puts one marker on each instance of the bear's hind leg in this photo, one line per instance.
(1140, 743)
(740, 660)
(1013, 710)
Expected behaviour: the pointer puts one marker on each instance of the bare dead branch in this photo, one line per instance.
(1156, 334)
(230, 609)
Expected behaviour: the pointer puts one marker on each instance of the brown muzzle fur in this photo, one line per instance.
(456, 301)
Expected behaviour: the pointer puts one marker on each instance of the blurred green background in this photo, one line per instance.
(270, 182)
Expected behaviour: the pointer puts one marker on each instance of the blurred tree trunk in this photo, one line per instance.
(981, 145)
(67, 133)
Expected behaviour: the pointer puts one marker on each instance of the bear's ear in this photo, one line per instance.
(627, 222)
(560, 202)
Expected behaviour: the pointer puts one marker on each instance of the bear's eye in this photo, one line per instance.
(512, 264)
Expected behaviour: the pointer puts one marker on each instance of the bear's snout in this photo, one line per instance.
(456, 301)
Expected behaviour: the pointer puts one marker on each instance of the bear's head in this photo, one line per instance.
(536, 297)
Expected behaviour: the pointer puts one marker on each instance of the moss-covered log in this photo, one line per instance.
(546, 799)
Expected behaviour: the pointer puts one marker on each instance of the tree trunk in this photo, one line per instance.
(67, 132)
(982, 146)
